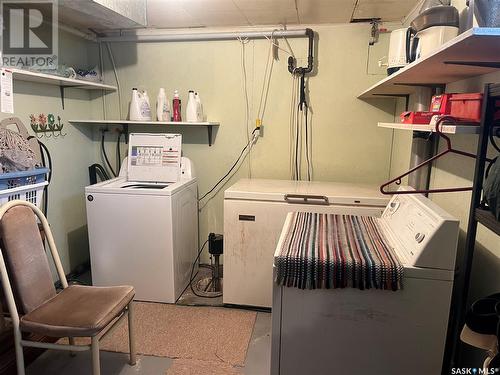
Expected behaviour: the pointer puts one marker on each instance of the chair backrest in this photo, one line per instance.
(26, 260)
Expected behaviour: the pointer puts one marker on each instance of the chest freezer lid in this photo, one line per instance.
(331, 193)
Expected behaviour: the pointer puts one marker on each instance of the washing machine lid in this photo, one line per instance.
(121, 185)
(328, 193)
(422, 234)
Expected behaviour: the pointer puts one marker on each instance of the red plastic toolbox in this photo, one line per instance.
(466, 106)
(416, 117)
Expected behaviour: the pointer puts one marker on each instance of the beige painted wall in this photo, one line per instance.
(346, 144)
(71, 155)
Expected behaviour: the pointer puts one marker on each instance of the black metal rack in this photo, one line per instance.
(477, 214)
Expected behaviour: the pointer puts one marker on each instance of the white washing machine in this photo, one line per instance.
(254, 213)
(144, 234)
(379, 332)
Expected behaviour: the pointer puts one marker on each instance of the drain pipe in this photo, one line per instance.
(292, 62)
(197, 37)
(422, 147)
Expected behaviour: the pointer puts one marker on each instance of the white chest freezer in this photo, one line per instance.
(254, 213)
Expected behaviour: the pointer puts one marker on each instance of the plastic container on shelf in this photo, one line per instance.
(191, 108)
(464, 107)
(162, 106)
(176, 107)
(23, 185)
(199, 108)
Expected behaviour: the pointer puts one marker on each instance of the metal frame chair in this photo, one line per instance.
(9, 295)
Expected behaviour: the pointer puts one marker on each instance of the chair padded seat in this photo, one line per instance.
(78, 311)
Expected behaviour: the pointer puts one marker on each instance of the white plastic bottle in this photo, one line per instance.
(140, 110)
(162, 107)
(146, 108)
(199, 108)
(191, 108)
(135, 106)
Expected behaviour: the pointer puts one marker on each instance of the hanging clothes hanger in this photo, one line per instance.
(449, 149)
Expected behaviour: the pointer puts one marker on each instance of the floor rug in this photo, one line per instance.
(195, 367)
(185, 332)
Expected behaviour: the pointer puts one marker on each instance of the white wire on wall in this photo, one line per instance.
(243, 43)
(251, 132)
(103, 94)
(112, 59)
(264, 93)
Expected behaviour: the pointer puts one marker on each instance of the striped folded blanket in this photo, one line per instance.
(336, 251)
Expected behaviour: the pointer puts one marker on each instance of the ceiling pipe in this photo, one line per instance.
(214, 36)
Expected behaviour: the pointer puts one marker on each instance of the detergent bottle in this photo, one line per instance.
(140, 109)
(176, 107)
(199, 108)
(162, 107)
(191, 108)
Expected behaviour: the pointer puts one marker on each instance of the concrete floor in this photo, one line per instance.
(258, 359)
(57, 362)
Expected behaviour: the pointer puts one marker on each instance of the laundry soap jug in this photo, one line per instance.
(176, 107)
(140, 109)
(192, 108)
(162, 107)
(199, 108)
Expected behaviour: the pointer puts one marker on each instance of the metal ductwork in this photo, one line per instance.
(103, 14)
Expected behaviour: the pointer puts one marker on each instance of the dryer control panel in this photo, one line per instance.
(422, 233)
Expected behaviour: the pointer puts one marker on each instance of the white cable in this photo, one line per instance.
(116, 78)
(103, 96)
(245, 93)
(289, 53)
(266, 79)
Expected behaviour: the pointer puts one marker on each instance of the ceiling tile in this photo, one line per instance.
(325, 11)
(218, 13)
(209, 5)
(256, 17)
(197, 13)
(169, 13)
(387, 10)
(262, 12)
(221, 18)
(265, 5)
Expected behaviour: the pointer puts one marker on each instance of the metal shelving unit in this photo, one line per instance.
(62, 82)
(478, 214)
(472, 53)
(445, 128)
(179, 125)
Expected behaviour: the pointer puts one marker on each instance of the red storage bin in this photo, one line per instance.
(466, 106)
(416, 117)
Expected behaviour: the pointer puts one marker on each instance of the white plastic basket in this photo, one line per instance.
(31, 193)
